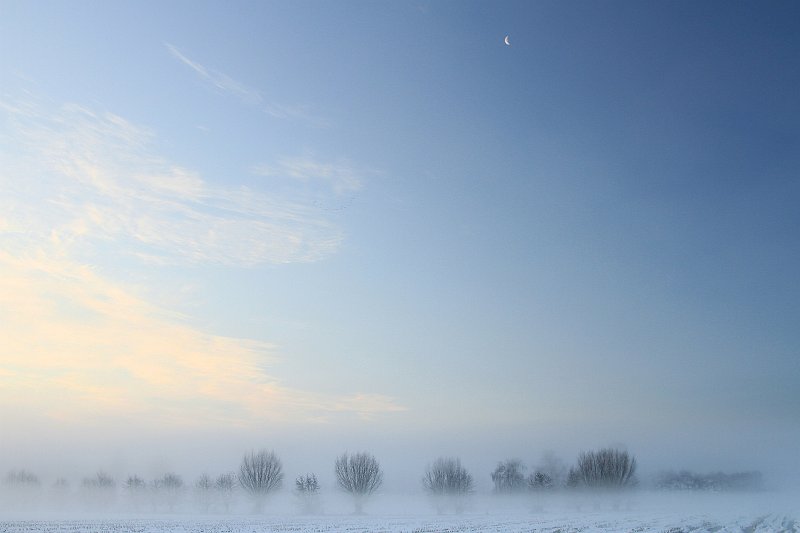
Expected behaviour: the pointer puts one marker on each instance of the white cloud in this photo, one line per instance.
(77, 185)
(76, 177)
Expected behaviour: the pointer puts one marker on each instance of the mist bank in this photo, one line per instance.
(388, 503)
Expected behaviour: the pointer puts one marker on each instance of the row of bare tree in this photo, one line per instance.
(358, 474)
(261, 474)
(608, 468)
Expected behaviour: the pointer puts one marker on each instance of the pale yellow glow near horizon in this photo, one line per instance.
(78, 344)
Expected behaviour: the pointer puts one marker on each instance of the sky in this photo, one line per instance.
(326, 226)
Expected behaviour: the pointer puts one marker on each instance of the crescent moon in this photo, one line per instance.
(508, 43)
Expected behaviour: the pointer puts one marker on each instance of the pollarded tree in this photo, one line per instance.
(508, 476)
(448, 483)
(260, 474)
(360, 475)
(607, 468)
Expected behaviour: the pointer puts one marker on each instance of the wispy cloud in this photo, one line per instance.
(299, 111)
(77, 186)
(247, 95)
(218, 79)
(341, 176)
(101, 181)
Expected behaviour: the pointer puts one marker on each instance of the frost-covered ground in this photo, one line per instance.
(640, 513)
(584, 523)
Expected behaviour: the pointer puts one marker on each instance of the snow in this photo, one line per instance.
(523, 522)
(634, 512)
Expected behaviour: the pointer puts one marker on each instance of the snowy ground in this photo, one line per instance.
(579, 522)
(660, 513)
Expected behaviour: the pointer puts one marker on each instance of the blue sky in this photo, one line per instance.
(360, 219)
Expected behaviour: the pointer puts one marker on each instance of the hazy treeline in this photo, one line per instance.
(448, 484)
(713, 482)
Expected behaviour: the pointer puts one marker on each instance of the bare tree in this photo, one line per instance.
(170, 487)
(307, 492)
(204, 492)
(607, 468)
(260, 474)
(360, 475)
(718, 481)
(59, 492)
(224, 486)
(508, 476)
(100, 490)
(552, 466)
(574, 480)
(448, 483)
(447, 476)
(135, 489)
(22, 479)
(540, 481)
(23, 489)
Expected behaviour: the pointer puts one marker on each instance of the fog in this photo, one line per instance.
(73, 452)
(51, 502)
(64, 468)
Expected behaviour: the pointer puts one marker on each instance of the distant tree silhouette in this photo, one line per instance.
(508, 477)
(607, 468)
(574, 480)
(170, 489)
(99, 491)
(360, 475)
(448, 483)
(203, 492)
(553, 467)
(260, 474)
(540, 481)
(21, 479)
(23, 489)
(135, 490)
(306, 488)
(224, 487)
(715, 482)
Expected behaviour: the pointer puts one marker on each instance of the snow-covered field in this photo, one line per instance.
(584, 523)
(640, 513)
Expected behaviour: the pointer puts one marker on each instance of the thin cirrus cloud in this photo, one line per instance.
(340, 176)
(79, 185)
(85, 177)
(218, 79)
(246, 94)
